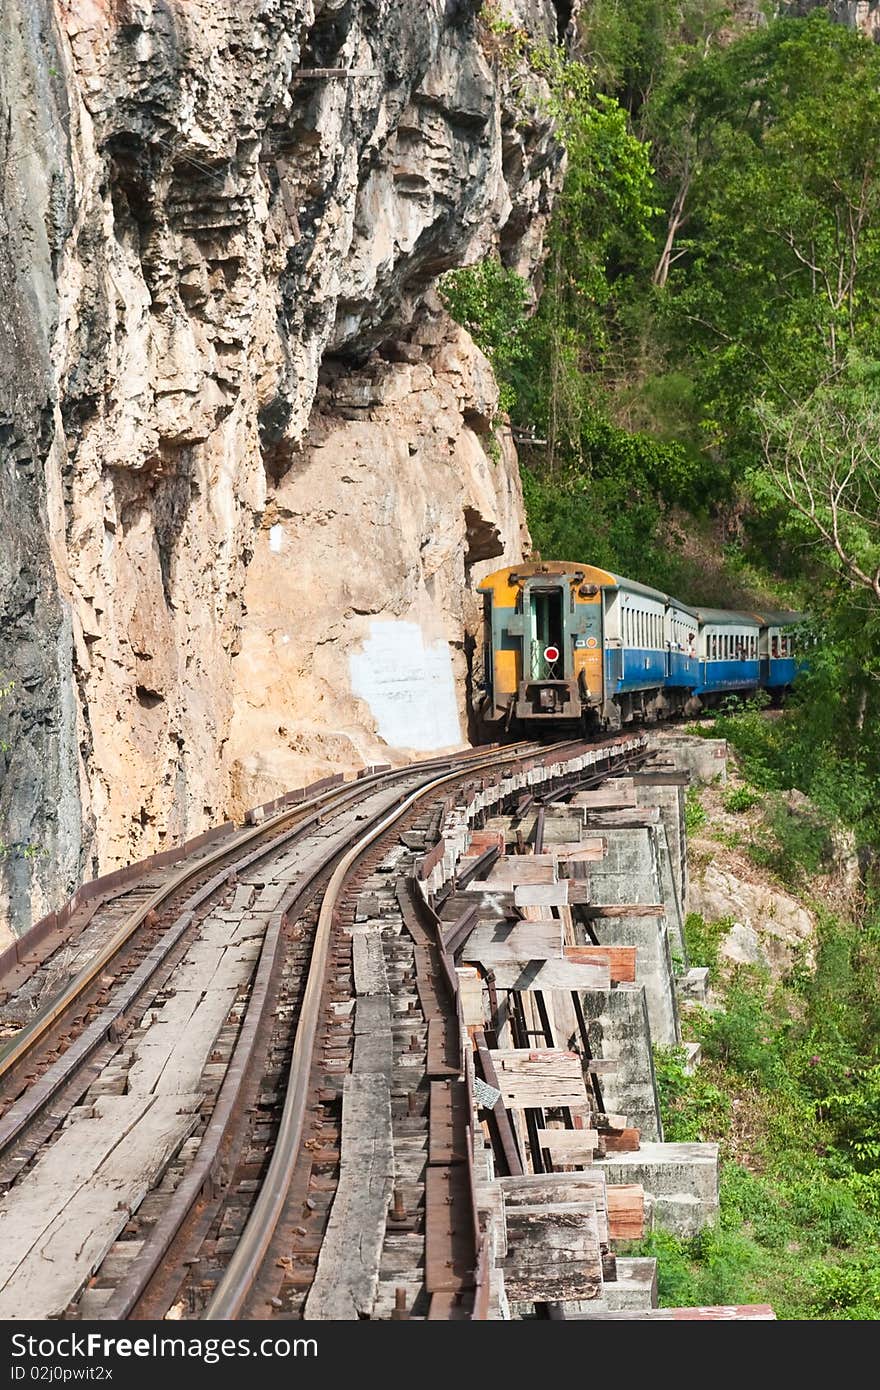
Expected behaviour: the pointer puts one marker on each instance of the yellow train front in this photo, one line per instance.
(543, 662)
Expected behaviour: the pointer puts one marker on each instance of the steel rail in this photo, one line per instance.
(136, 1283)
(240, 1274)
(27, 1038)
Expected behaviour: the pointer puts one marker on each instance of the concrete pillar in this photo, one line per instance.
(683, 1179)
(618, 1029)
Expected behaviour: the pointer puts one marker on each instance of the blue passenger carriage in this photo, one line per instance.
(728, 653)
(683, 644)
(776, 649)
(634, 626)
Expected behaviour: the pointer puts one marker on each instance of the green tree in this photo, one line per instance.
(781, 277)
(822, 458)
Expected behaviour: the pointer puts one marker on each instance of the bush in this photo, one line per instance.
(743, 1036)
(693, 1108)
(703, 940)
(695, 816)
(491, 303)
(847, 1291)
(740, 799)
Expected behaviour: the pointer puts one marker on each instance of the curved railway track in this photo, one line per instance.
(170, 1144)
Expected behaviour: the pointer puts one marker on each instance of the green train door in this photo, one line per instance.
(546, 632)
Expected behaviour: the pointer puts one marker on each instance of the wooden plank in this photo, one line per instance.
(622, 1141)
(608, 797)
(559, 1190)
(470, 989)
(591, 850)
(508, 940)
(372, 1014)
(37, 1198)
(373, 1044)
(171, 1061)
(635, 819)
(74, 1240)
(626, 1211)
(490, 906)
(555, 1193)
(532, 1079)
(620, 960)
(541, 894)
(171, 1055)
(481, 840)
(369, 963)
(373, 1053)
(569, 1145)
(553, 1255)
(547, 974)
(598, 910)
(347, 1275)
(512, 869)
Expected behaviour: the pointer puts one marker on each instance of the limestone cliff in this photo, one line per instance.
(246, 460)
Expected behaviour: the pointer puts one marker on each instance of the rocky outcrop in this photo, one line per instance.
(857, 14)
(768, 927)
(215, 213)
(360, 640)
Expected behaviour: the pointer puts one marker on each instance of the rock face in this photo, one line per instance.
(857, 14)
(231, 410)
(768, 926)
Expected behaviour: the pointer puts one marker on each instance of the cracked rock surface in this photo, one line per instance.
(240, 441)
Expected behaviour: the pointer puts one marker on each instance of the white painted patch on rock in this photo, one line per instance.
(409, 686)
(276, 538)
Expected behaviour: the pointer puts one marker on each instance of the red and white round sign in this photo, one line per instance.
(551, 653)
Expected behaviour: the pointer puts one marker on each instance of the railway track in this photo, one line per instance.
(179, 1117)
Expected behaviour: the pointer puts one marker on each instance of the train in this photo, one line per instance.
(574, 645)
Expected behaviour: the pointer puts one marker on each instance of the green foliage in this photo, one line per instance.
(744, 1037)
(847, 1291)
(855, 1115)
(703, 940)
(695, 817)
(694, 1109)
(741, 799)
(794, 843)
(709, 320)
(490, 302)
